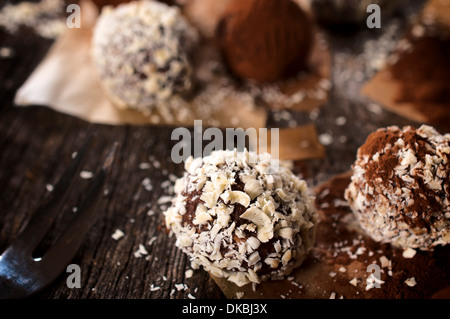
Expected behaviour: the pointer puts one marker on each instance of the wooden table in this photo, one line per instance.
(36, 144)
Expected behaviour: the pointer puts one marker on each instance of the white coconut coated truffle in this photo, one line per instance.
(142, 52)
(400, 188)
(240, 221)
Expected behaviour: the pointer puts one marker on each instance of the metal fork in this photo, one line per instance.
(21, 275)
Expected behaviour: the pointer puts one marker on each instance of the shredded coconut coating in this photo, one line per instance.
(400, 187)
(141, 50)
(240, 221)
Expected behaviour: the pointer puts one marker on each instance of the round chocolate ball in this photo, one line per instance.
(400, 188)
(265, 40)
(142, 52)
(240, 218)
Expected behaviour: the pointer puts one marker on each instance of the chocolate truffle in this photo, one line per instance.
(142, 52)
(400, 188)
(265, 40)
(239, 220)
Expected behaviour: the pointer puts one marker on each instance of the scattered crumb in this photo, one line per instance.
(409, 253)
(373, 282)
(49, 187)
(152, 240)
(118, 234)
(191, 296)
(164, 200)
(6, 52)
(141, 251)
(325, 139)
(340, 121)
(342, 269)
(147, 183)
(333, 295)
(342, 139)
(188, 273)
(154, 288)
(181, 287)
(144, 166)
(332, 274)
(384, 262)
(375, 108)
(239, 294)
(354, 281)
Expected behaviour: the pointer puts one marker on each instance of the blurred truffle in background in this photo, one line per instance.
(265, 40)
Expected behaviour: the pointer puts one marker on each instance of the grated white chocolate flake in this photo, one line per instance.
(245, 223)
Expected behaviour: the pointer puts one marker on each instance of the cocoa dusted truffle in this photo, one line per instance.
(400, 188)
(265, 40)
(142, 51)
(240, 221)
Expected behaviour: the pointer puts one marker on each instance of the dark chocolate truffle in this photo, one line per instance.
(265, 40)
(400, 188)
(242, 219)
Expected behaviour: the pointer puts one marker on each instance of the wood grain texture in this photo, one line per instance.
(36, 144)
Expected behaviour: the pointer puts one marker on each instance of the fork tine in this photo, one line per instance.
(60, 254)
(42, 219)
